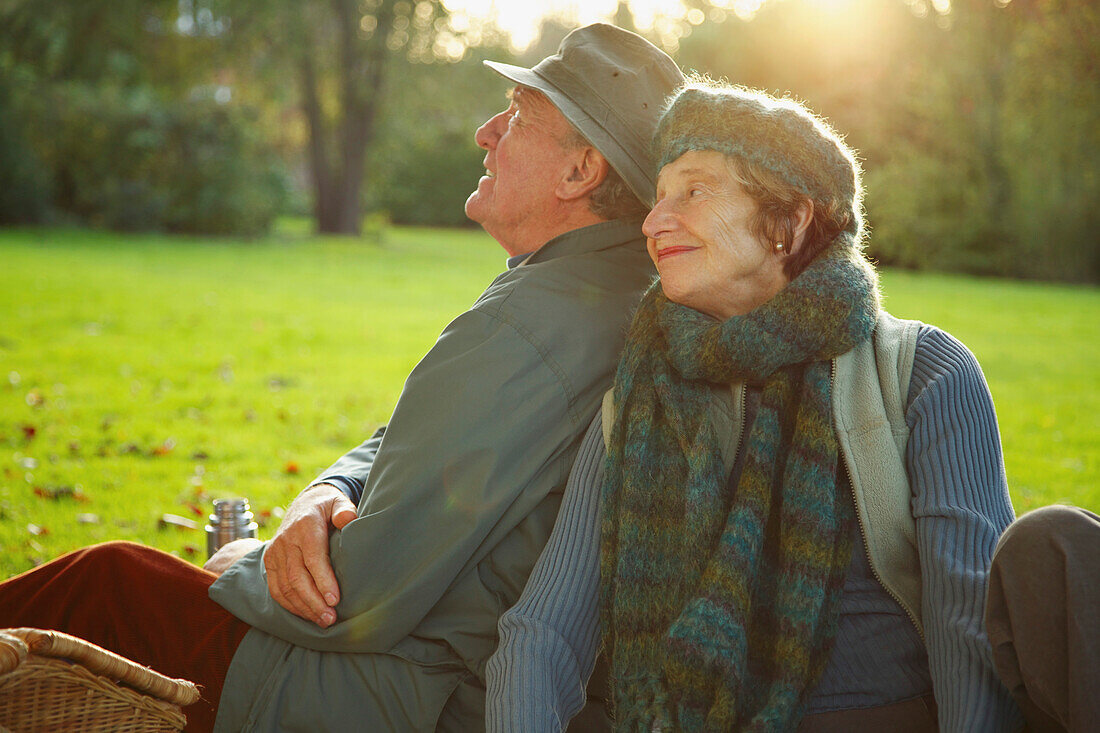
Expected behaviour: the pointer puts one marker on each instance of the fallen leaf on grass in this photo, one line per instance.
(87, 519)
(36, 530)
(292, 468)
(277, 382)
(56, 493)
(29, 431)
(175, 520)
(35, 398)
(164, 448)
(190, 550)
(196, 509)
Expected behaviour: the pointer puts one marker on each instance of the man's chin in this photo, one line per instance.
(474, 211)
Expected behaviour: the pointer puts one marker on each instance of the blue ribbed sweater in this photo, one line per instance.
(960, 502)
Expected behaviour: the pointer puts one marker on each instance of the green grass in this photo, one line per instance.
(143, 375)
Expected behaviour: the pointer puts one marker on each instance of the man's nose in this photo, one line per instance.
(489, 132)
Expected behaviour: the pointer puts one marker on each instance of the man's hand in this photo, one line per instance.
(230, 553)
(299, 575)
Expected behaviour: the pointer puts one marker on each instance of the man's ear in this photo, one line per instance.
(588, 170)
(800, 224)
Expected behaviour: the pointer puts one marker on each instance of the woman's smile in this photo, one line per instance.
(673, 251)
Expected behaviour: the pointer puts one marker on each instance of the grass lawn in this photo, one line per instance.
(146, 375)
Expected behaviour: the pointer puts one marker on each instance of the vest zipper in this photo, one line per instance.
(863, 527)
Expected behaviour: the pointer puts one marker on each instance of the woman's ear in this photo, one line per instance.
(588, 171)
(800, 224)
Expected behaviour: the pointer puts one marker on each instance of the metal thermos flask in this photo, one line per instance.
(230, 521)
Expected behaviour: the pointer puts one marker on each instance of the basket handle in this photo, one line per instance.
(12, 652)
(106, 663)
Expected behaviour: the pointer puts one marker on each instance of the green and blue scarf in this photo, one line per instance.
(719, 607)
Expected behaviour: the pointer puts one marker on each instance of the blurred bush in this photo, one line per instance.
(125, 159)
(425, 162)
(24, 183)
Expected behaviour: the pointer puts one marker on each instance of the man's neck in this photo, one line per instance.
(531, 240)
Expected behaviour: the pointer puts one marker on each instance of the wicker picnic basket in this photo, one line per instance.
(50, 681)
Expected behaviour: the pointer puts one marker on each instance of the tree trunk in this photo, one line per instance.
(319, 167)
(337, 152)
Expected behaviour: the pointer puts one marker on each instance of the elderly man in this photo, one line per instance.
(388, 623)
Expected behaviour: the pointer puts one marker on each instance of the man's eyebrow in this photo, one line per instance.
(522, 96)
(530, 102)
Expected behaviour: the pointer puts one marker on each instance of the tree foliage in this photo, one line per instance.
(977, 120)
(340, 56)
(425, 161)
(117, 108)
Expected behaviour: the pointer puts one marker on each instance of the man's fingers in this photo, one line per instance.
(324, 580)
(300, 582)
(291, 586)
(275, 587)
(230, 553)
(343, 511)
(300, 577)
(323, 619)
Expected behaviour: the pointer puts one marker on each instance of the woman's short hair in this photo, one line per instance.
(780, 152)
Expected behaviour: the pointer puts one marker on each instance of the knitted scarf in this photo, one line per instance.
(719, 610)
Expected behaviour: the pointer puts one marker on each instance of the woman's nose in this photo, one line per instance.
(659, 220)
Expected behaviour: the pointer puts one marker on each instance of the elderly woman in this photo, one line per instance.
(793, 524)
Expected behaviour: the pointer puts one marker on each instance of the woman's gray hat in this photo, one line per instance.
(611, 85)
(779, 135)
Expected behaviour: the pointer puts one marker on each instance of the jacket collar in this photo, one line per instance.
(591, 238)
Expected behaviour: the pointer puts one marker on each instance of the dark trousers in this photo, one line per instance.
(140, 602)
(1043, 617)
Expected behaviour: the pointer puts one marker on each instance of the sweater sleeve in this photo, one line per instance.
(961, 506)
(351, 484)
(536, 679)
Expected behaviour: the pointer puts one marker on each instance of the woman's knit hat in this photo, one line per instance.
(779, 135)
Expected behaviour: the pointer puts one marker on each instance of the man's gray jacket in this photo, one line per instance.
(456, 508)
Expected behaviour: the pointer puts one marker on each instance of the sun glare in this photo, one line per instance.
(668, 20)
(520, 20)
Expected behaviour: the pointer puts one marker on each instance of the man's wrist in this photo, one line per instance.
(346, 485)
